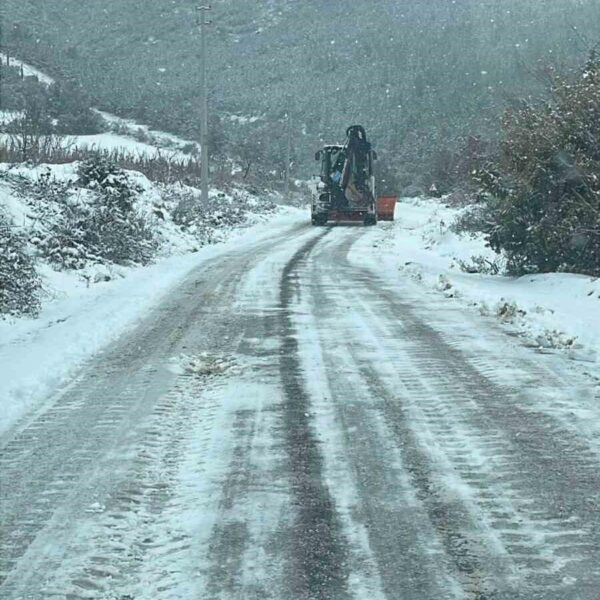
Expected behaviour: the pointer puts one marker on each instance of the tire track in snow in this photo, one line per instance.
(163, 558)
(400, 556)
(507, 457)
(57, 462)
(411, 554)
(131, 529)
(319, 557)
(547, 474)
(249, 546)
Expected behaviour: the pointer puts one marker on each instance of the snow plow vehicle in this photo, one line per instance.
(346, 191)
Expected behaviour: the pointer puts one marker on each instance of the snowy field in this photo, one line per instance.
(122, 136)
(160, 138)
(159, 145)
(554, 311)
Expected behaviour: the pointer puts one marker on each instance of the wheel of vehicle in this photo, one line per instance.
(370, 220)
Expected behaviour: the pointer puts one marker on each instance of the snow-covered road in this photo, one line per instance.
(293, 423)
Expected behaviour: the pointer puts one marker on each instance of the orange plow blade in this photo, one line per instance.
(385, 207)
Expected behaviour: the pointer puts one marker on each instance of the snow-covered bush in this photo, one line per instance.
(97, 230)
(544, 189)
(92, 219)
(475, 219)
(186, 210)
(203, 218)
(98, 223)
(100, 174)
(481, 264)
(191, 211)
(19, 282)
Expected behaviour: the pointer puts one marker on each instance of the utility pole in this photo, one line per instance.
(203, 105)
(288, 157)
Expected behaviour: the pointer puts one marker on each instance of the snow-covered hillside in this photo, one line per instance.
(154, 201)
(64, 220)
(27, 69)
(122, 136)
(554, 311)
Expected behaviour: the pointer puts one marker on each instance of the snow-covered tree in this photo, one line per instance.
(19, 282)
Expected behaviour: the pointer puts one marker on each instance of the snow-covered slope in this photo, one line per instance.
(28, 70)
(122, 135)
(133, 139)
(156, 202)
(158, 139)
(111, 142)
(554, 311)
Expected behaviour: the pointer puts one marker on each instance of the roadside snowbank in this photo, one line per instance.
(36, 356)
(552, 311)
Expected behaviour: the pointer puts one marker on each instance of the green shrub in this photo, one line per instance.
(99, 226)
(544, 188)
(99, 173)
(19, 283)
